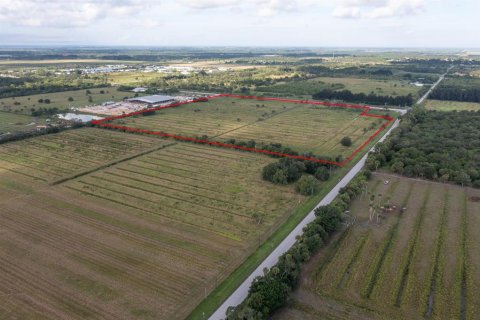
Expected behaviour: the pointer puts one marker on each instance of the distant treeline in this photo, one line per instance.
(154, 54)
(18, 55)
(349, 71)
(371, 98)
(5, 82)
(313, 54)
(435, 69)
(454, 93)
(202, 55)
(437, 62)
(9, 91)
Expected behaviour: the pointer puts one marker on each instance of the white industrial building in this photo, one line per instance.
(152, 100)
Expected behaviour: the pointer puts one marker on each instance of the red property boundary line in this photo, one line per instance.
(365, 113)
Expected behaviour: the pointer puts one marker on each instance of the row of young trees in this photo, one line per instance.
(271, 291)
(371, 98)
(35, 133)
(441, 146)
(274, 147)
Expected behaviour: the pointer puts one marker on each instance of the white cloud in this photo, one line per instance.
(369, 9)
(149, 23)
(208, 4)
(65, 13)
(375, 9)
(347, 12)
(259, 7)
(84, 13)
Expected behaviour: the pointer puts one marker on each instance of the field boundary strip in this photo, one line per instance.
(365, 113)
(109, 164)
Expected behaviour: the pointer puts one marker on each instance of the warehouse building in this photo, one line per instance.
(152, 100)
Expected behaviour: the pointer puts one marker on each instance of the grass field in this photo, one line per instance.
(441, 105)
(305, 88)
(60, 99)
(12, 122)
(53, 156)
(144, 238)
(304, 128)
(379, 87)
(422, 263)
(132, 78)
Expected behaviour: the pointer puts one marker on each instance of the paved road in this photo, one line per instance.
(401, 111)
(425, 96)
(241, 293)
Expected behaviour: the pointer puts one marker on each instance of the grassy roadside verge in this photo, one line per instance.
(208, 306)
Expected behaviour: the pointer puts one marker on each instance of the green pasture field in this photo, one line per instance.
(306, 88)
(12, 122)
(131, 78)
(146, 238)
(303, 128)
(415, 263)
(379, 87)
(441, 105)
(298, 88)
(60, 99)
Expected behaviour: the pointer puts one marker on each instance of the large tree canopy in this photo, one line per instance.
(442, 146)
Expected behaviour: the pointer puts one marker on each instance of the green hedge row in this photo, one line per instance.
(271, 291)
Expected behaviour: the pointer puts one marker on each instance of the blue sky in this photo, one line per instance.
(319, 23)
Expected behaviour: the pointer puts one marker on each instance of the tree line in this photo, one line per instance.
(271, 291)
(320, 70)
(441, 146)
(16, 91)
(456, 93)
(371, 98)
(35, 133)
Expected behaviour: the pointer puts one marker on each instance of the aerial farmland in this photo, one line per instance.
(181, 175)
(169, 219)
(417, 259)
(304, 128)
(170, 223)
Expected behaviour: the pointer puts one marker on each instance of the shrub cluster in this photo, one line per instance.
(271, 291)
(307, 173)
(46, 111)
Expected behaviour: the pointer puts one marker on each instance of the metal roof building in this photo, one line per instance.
(154, 99)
